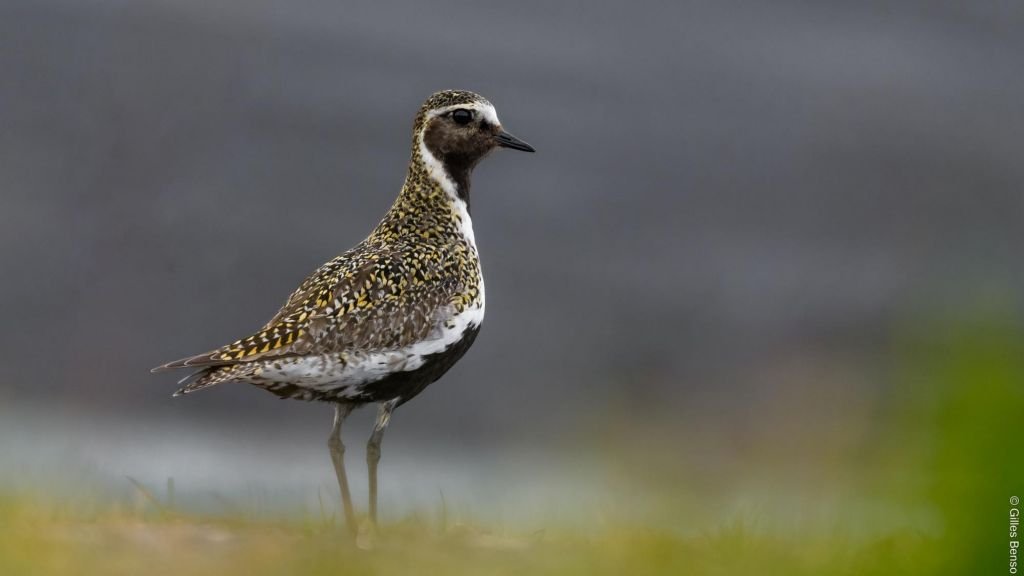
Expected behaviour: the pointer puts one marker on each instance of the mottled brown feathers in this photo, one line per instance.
(440, 100)
(414, 270)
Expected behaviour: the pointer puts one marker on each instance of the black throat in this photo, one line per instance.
(459, 173)
(458, 150)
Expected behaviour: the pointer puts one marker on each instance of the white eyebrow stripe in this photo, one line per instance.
(485, 109)
(490, 114)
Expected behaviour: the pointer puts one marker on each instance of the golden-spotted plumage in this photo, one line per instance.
(415, 276)
(390, 316)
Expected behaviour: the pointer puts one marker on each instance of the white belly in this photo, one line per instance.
(349, 372)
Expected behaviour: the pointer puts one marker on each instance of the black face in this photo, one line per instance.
(461, 137)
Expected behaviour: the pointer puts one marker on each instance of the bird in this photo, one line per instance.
(388, 317)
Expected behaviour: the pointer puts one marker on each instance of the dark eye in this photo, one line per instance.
(462, 116)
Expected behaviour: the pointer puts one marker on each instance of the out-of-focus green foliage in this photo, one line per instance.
(954, 428)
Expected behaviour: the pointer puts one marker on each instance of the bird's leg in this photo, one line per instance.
(338, 458)
(373, 452)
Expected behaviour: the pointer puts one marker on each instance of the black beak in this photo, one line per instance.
(506, 140)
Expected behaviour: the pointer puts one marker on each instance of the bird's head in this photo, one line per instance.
(455, 129)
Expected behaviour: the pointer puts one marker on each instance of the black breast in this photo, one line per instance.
(406, 385)
(401, 385)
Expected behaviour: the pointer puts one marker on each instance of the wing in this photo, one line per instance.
(370, 298)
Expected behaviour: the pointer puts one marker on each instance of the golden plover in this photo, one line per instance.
(387, 318)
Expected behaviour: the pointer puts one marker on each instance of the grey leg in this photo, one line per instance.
(338, 458)
(373, 452)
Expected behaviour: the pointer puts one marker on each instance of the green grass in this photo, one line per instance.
(45, 537)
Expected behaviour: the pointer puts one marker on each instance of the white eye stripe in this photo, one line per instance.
(490, 114)
(482, 108)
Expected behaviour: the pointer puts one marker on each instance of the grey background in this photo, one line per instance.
(729, 198)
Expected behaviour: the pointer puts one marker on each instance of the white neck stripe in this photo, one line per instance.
(435, 169)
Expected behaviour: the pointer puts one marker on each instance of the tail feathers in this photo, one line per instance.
(207, 360)
(205, 378)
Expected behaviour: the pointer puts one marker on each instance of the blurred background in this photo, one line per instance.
(766, 261)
